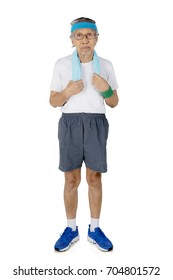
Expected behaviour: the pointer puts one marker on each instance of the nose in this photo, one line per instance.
(85, 39)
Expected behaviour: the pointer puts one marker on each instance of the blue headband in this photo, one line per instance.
(80, 25)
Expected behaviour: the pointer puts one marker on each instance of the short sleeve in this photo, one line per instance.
(56, 84)
(111, 78)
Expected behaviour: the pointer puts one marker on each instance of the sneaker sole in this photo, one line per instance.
(96, 244)
(68, 247)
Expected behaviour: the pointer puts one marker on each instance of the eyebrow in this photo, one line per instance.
(90, 30)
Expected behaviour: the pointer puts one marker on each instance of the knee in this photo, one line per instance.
(94, 179)
(72, 182)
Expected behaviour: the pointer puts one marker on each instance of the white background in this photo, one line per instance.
(137, 202)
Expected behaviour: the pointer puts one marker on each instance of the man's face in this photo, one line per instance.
(84, 44)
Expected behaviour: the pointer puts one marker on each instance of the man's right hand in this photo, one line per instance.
(60, 98)
(74, 87)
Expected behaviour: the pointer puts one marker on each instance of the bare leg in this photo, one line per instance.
(95, 192)
(72, 181)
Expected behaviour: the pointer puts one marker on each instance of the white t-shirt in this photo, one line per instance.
(89, 100)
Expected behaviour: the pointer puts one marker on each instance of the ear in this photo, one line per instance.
(72, 40)
(96, 41)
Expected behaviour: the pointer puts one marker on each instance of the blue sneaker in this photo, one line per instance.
(66, 239)
(98, 238)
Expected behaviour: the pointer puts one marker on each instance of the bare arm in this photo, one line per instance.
(113, 100)
(58, 99)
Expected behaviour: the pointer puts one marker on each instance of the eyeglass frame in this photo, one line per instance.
(84, 35)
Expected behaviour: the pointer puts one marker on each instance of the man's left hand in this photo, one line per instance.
(99, 83)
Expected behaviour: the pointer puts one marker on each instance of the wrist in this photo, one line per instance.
(66, 94)
(108, 93)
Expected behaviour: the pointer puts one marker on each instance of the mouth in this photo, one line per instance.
(85, 48)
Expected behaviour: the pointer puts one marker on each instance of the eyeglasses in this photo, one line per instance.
(80, 36)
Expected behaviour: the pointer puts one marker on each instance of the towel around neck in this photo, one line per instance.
(76, 67)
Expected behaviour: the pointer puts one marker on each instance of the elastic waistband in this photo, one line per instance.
(91, 115)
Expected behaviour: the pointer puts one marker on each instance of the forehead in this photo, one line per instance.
(84, 30)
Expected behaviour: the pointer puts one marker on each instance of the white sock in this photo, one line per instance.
(94, 224)
(71, 223)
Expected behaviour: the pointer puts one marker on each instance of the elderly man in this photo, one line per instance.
(82, 84)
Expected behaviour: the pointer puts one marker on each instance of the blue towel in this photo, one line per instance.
(76, 68)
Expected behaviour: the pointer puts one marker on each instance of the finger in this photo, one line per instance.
(81, 85)
(92, 81)
(95, 75)
(80, 82)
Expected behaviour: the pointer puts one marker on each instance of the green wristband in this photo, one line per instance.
(108, 93)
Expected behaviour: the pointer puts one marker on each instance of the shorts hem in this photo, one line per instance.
(96, 169)
(69, 169)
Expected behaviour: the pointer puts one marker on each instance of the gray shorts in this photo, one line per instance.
(83, 137)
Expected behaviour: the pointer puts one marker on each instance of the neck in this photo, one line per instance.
(84, 57)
